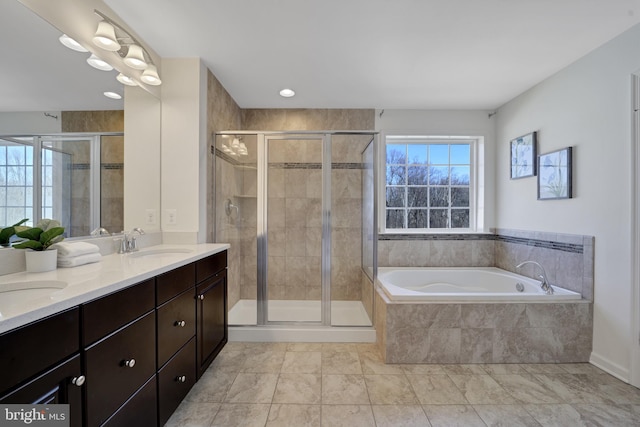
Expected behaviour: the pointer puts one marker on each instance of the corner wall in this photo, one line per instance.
(587, 106)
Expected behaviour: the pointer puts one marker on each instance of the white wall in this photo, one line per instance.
(450, 122)
(587, 106)
(30, 123)
(183, 143)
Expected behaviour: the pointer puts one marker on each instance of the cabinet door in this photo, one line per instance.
(60, 385)
(139, 411)
(117, 366)
(176, 324)
(212, 319)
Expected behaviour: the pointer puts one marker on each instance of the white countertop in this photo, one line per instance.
(91, 281)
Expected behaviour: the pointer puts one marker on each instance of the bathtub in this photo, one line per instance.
(464, 284)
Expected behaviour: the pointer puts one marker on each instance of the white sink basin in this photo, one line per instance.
(160, 252)
(32, 284)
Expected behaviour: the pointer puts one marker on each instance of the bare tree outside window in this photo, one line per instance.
(428, 185)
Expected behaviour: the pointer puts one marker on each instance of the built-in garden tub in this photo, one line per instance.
(478, 315)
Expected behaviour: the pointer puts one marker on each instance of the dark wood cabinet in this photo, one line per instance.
(175, 380)
(117, 366)
(58, 385)
(176, 324)
(125, 359)
(211, 299)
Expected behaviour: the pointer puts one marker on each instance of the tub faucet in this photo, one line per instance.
(544, 283)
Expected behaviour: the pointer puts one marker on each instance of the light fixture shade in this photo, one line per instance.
(126, 80)
(105, 37)
(135, 58)
(287, 93)
(150, 76)
(98, 63)
(71, 43)
(112, 95)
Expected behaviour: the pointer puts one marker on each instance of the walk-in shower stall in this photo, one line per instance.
(298, 210)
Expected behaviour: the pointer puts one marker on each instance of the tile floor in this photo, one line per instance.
(332, 384)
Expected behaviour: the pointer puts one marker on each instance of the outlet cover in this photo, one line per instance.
(151, 216)
(171, 217)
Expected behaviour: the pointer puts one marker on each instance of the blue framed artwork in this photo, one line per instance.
(555, 175)
(523, 156)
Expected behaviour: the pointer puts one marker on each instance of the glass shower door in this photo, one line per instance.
(294, 228)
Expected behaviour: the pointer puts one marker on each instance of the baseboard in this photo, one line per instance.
(301, 334)
(608, 366)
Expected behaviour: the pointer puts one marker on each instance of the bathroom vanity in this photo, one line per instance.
(127, 352)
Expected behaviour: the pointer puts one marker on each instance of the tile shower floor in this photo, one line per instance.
(329, 384)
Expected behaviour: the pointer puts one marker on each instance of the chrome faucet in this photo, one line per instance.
(544, 283)
(128, 242)
(100, 231)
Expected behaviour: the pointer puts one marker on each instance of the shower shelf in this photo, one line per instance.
(245, 167)
(244, 196)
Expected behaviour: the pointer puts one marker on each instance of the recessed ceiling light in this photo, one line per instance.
(71, 43)
(112, 95)
(98, 63)
(287, 93)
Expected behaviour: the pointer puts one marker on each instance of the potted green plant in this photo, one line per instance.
(8, 232)
(39, 239)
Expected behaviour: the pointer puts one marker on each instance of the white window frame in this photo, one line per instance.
(476, 180)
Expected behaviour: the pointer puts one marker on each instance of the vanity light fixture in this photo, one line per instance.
(126, 80)
(135, 58)
(112, 95)
(110, 34)
(71, 43)
(287, 93)
(150, 76)
(105, 37)
(98, 63)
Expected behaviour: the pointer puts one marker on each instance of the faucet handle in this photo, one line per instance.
(133, 245)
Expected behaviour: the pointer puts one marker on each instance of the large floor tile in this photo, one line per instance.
(453, 416)
(390, 390)
(341, 362)
(298, 388)
(347, 416)
(482, 389)
(505, 416)
(241, 415)
(193, 414)
(399, 415)
(286, 415)
(555, 415)
(607, 415)
(436, 389)
(302, 362)
(344, 389)
(252, 388)
(527, 389)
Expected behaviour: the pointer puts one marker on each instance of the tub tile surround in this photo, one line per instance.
(340, 385)
(489, 332)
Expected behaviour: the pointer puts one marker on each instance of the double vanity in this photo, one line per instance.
(121, 341)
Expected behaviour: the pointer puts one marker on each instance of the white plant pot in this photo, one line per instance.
(39, 261)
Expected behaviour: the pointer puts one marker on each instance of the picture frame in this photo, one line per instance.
(524, 156)
(555, 175)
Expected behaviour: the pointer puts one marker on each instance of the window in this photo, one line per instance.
(16, 182)
(429, 183)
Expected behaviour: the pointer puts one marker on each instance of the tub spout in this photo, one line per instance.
(544, 283)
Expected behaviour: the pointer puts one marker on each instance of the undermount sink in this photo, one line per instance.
(160, 252)
(32, 284)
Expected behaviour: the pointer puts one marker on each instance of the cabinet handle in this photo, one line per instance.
(201, 297)
(180, 323)
(79, 380)
(130, 363)
(181, 378)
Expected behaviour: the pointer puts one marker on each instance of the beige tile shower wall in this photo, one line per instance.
(223, 114)
(308, 119)
(112, 205)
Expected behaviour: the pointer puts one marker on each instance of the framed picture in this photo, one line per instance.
(554, 175)
(523, 156)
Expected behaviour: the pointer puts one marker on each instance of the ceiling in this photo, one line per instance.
(39, 74)
(412, 54)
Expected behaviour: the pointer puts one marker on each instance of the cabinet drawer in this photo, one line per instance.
(111, 377)
(104, 315)
(173, 282)
(35, 347)
(141, 410)
(176, 379)
(210, 265)
(176, 324)
(53, 387)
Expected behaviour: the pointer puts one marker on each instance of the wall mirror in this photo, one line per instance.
(62, 142)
